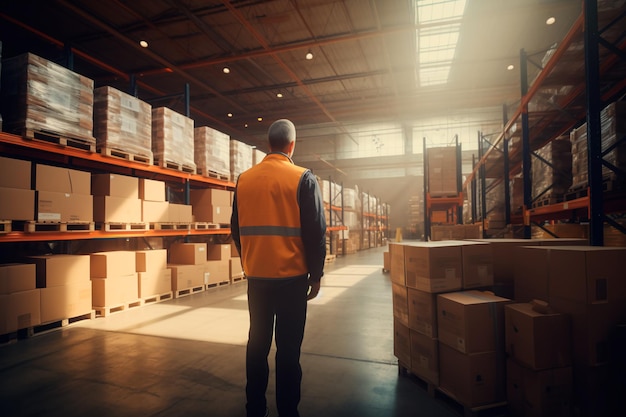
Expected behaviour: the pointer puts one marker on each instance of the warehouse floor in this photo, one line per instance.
(185, 357)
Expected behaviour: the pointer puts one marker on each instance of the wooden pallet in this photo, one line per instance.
(129, 156)
(123, 227)
(217, 284)
(5, 226)
(239, 278)
(107, 311)
(548, 200)
(34, 227)
(189, 291)
(205, 226)
(213, 174)
(31, 331)
(157, 298)
(330, 259)
(175, 166)
(86, 144)
(170, 226)
(577, 192)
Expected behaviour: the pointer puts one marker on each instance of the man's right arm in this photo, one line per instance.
(234, 224)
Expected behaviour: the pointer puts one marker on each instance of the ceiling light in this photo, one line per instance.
(230, 115)
(144, 44)
(279, 95)
(510, 67)
(550, 20)
(260, 119)
(246, 125)
(226, 70)
(309, 55)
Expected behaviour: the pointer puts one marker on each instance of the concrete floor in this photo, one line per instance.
(185, 357)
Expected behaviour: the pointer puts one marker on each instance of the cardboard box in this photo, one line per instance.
(19, 310)
(112, 264)
(188, 253)
(155, 282)
(58, 270)
(179, 213)
(477, 264)
(62, 180)
(155, 211)
(386, 261)
(151, 260)
(14, 173)
(400, 303)
(65, 301)
(115, 185)
(210, 197)
(424, 357)
(504, 257)
(115, 291)
(531, 274)
(234, 253)
(433, 266)
(151, 190)
(109, 209)
(17, 204)
(471, 321)
(423, 312)
(396, 253)
(472, 379)
(17, 277)
(212, 214)
(536, 340)
(218, 252)
(61, 207)
(402, 343)
(236, 270)
(217, 271)
(539, 393)
(187, 276)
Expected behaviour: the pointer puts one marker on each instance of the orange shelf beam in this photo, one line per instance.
(99, 234)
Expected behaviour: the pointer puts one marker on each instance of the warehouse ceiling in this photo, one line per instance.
(369, 62)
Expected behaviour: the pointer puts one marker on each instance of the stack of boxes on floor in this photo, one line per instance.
(544, 331)
(114, 280)
(155, 278)
(187, 262)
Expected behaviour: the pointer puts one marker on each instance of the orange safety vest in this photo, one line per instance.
(269, 219)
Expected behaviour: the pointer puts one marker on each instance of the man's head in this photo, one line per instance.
(282, 136)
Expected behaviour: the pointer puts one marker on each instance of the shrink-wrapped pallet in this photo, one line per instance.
(240, 158)
(122, 122)
(172, 139)
(442, 175)
(41, 96)
(212, 151)
(257, 156)
(551, 180)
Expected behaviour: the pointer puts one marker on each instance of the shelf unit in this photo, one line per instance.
(44, 152)
(579, 78)
(335, 214)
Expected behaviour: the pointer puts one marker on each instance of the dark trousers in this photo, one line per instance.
(281, 305)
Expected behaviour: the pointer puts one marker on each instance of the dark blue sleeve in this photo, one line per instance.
(312, 224)
(234, 223)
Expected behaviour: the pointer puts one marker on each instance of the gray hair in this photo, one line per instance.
(280, 134)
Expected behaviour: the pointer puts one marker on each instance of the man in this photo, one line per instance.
(279, 229)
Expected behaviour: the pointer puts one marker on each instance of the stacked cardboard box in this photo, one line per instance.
(539, 373)
(63, 195)
(64, 285)
(18, 200)
(20, 302)
(116, 198)
(114, 279)
(553, 178)
(442, 174)
(188, 263)
(154, 277)
(217, 269)
(122, 122)
(173, 139)
(211, 205)
(211, 151)
(154, 208)
(39, 95)
(236, 268)
(240, 158)
(455, 231)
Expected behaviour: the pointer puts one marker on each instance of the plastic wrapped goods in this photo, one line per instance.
(212, 151)
(172, 138)
(555, 179)
(240, 158)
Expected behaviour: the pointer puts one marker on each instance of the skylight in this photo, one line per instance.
(439, 23)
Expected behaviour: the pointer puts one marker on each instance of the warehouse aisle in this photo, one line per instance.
(185, 357)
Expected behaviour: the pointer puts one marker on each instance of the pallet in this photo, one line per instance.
(157, 298)
(189, 291)
(128, 156)
(204, 226)
(237, 278)
(175, 166)
(107, 311)
(34, 227)
(123, 227)
(577, 192)
(548, 200)
(217, 284)
(31, 331)
(5, 226)
(86, 144)
(434, 391)
(213, 174)
(170, 226)
(330, 259)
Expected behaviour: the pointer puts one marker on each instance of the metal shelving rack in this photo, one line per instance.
(586, 77)
(335, 217)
